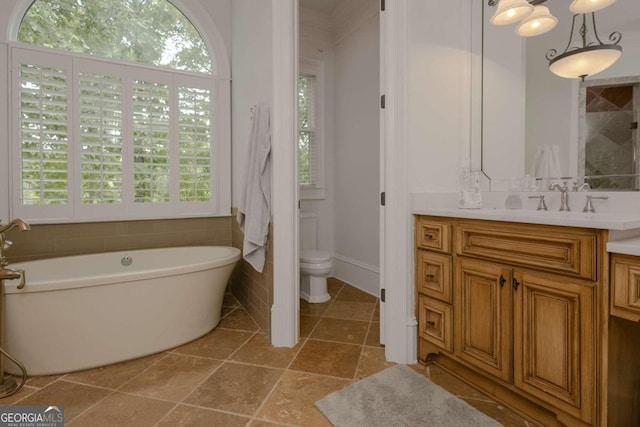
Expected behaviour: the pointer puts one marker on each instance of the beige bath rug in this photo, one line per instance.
(399, 396)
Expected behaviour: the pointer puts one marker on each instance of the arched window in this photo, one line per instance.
(146, 31)
(117, 114)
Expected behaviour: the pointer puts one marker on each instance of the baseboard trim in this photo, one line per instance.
(358, 274)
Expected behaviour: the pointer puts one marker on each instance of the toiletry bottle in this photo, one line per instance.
(513, 198)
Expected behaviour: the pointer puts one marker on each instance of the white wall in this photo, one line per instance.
(356, 156)
(316, 43)
(251, 65)
(438, 91)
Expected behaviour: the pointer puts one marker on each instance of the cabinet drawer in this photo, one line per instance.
(625, 287)
(433, 235)
(433, 275)
(435, 322)
(570, 251)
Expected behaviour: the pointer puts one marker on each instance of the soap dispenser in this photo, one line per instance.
(513, 198)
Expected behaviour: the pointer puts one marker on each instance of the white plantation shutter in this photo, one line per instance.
(44, 139)
(151, 115)
(101, 140)
(100, 135)
(196, 140)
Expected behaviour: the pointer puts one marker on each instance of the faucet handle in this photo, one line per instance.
(588, 207)
(542, 206)
(6, 244)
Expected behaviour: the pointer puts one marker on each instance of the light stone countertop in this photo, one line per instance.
(606, 221)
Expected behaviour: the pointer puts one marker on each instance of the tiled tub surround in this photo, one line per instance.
(56, 240)
(234, 377)
(254, 290)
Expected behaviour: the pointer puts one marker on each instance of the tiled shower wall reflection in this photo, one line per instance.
(55, 240)
(254, 290)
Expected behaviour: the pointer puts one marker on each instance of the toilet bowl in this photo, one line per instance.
(315, 265)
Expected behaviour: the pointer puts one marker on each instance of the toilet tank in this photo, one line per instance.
(308, 230)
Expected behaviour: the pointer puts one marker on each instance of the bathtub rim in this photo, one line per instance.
(11, 286)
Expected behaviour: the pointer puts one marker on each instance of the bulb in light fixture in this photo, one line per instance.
(539, 22)
(588, 6)
(510, 11)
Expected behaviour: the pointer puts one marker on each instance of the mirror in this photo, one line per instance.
(536, 123)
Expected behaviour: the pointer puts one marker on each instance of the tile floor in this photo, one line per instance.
(233, 377)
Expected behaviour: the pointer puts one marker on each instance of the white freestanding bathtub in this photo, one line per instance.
(86, 311)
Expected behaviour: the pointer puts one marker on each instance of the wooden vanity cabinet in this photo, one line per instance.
(524, 305)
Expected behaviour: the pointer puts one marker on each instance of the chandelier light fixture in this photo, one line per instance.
(590, 56)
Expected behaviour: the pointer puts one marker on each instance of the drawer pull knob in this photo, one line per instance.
(431, 323)
(515, 284)
(428, 236)
(430, 277)
(502, 280)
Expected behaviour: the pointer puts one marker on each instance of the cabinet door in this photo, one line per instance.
(482, 327)
(554, 351)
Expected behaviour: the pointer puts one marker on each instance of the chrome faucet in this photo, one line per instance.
(564, 197)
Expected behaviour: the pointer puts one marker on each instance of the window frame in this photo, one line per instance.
(220, 204)
(316, 191)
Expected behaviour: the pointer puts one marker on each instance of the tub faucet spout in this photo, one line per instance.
(22, 226)
(6, 244)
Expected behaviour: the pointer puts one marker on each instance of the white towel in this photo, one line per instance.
(254, 212)
(546, 164)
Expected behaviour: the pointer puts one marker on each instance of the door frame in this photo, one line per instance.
(284, 157)
(400, 326)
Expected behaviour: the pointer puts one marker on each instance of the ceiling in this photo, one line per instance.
(323, 6)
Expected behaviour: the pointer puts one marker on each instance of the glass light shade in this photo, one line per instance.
(588, 6)
(510, 11)
(539, 22)
(585, 62)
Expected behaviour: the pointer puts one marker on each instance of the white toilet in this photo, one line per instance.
(315, 265)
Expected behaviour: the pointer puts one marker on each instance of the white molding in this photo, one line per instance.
(284, 157)
(400, 323)
(4, 133)
(358, 274)
(350, 15)
(382, 179)
(363, 265)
